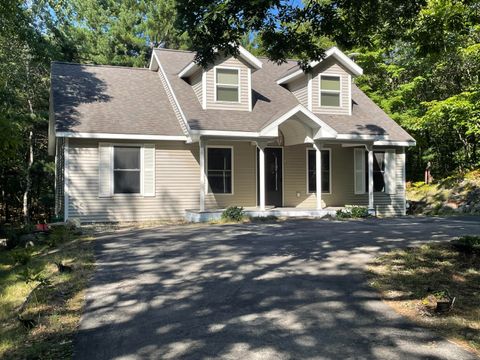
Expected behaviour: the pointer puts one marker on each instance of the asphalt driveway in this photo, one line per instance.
(288, 290)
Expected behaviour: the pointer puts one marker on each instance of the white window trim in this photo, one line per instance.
(385, 168)
(330, 174)
(339, 92)
(365, 191)
(226, 85)
(112, 172)
(207, 184)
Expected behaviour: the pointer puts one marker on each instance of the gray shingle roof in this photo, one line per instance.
(111, 99)
(270, 100)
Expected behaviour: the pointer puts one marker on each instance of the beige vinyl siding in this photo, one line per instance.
(299, 88)
(177, 188)
(177, 178)
(330, 67)
(243, 104)
(342, 182)
(244, 178)
(196, 82)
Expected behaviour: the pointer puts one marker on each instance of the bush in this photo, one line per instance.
(352, 212)
(59, 234)
(21, 256)
(468, 243)
(233, 213)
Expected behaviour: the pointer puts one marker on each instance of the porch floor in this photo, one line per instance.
(195, 215)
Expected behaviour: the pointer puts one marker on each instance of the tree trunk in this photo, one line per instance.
(26, 216)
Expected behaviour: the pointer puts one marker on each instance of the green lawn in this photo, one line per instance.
(55, 307)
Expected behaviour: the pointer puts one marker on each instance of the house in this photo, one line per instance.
(177, 140)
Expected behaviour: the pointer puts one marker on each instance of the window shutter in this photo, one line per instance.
(390, 171)
(105, 169)
(359, 160)
(149, 170)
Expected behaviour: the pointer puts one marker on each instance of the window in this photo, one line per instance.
(219, 170)
(378, 171)
(329, 90)
(312, 175)
(227, 84)
(126, 170)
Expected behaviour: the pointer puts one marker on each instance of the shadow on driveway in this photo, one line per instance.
(288, 290)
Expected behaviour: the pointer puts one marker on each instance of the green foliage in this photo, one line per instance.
(233, 213)
(352, 212)
(21, 256)
(468, 243)
(59, 234)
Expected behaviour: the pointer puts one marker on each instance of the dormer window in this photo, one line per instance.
(330, 90)
(227, 84)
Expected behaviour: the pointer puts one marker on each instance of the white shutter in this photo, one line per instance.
(149, 170)
(359, 164)
(105, 169)
(390, 171)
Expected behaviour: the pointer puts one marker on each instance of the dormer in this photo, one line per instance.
(326, 88)
(226, 84)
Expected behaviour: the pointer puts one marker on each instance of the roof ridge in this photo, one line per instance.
(175, 50)
(101, 65)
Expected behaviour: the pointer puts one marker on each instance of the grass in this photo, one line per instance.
(408, 280)
(55, 308)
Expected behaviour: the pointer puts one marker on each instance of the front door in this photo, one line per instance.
(273, 177)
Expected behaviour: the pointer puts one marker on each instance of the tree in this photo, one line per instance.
(287, 29)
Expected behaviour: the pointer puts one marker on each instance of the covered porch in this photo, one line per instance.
(255, 212)
(274, 173)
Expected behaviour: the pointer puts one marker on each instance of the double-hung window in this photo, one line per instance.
(312, 170)
(220, 169)
(330, 90)
(378, 171)
(227, 84)
(126, 170)
(384, 171)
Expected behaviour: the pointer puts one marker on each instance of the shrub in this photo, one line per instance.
(352, 212)
(58, 235)
(233, 213)
(467, 243)
(21, 256)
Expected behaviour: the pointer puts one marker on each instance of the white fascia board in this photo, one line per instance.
(361, 137)
(335, 52)
(243, 53)
(153, 62)
(394, 143)
(175, 100)
(249, 57)
(271, 128)
(189, 70)
(225, 133)
(84, 135)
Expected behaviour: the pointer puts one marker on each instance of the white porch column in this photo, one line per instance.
(261, 175)
(201, 144)
(318, 167)
(370, 178)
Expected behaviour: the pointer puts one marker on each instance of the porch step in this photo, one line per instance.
(196, 216)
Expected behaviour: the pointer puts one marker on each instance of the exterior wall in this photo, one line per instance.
(177, 183)
(342, 182)
(244, 103)
(196, 82)
(244, 178)
(299, 88)
(177, 175)
(59, 173)
(330, 67)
